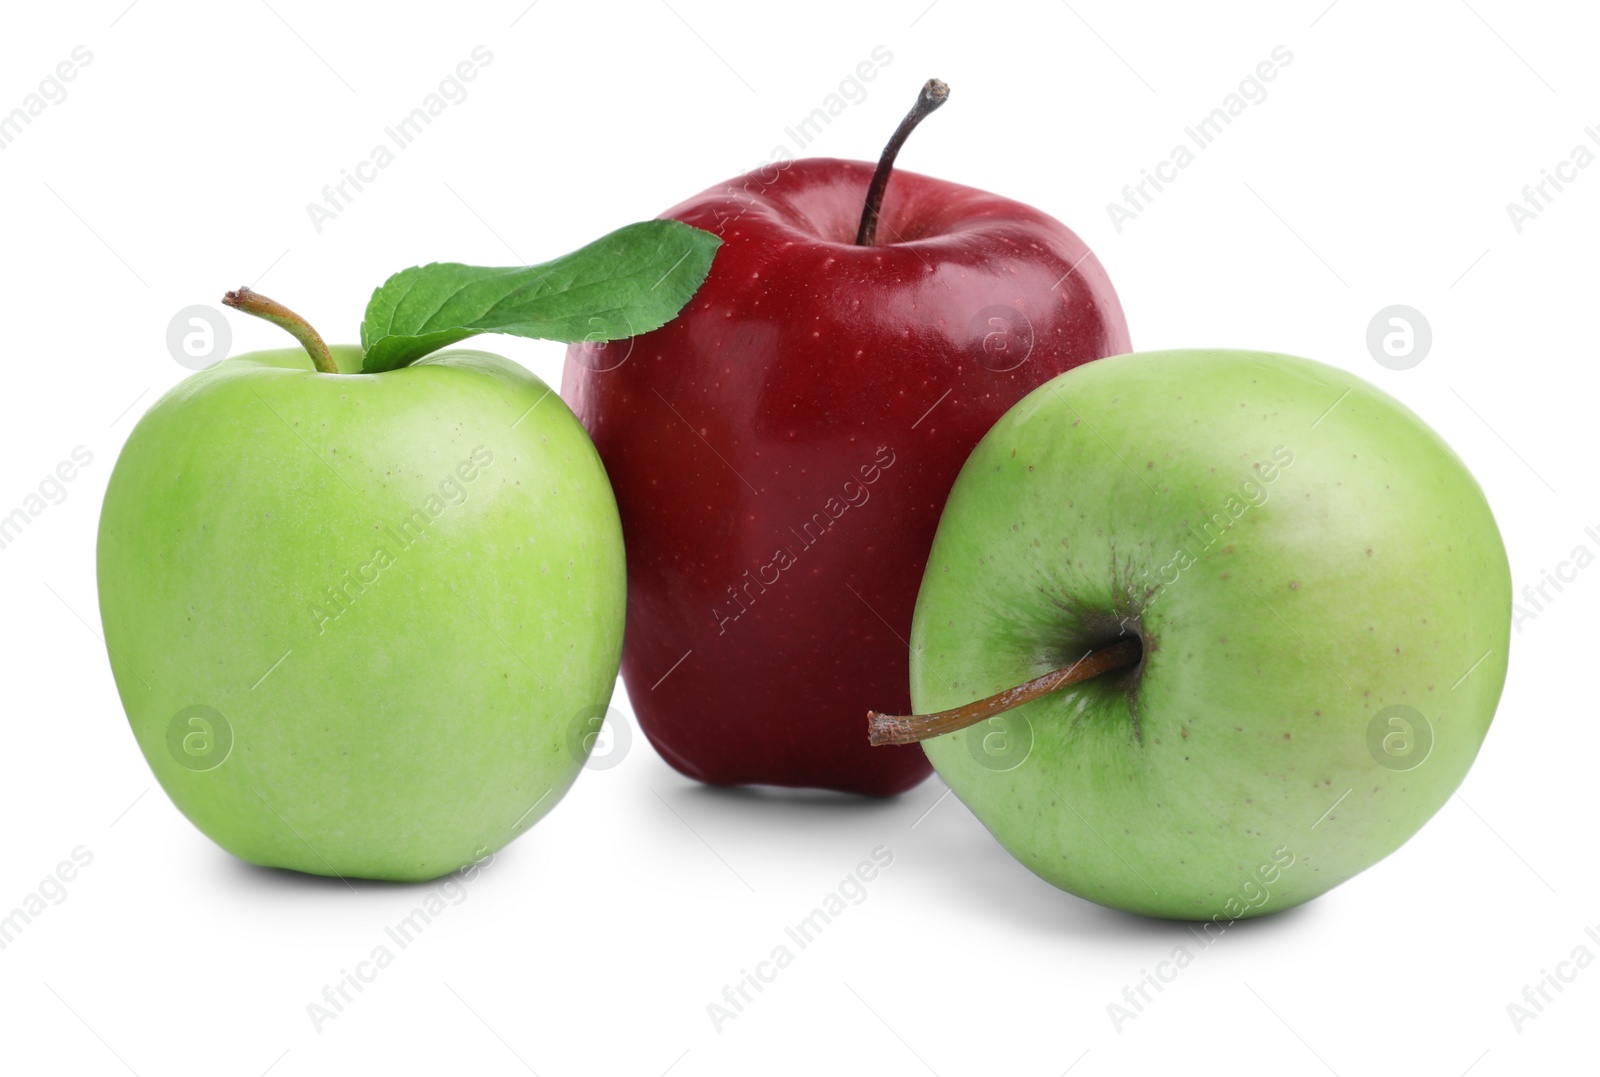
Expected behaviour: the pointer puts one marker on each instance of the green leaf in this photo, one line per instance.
(629, 282)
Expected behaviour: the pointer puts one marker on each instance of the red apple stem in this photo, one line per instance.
(934, 93)
(908, 729)
(281, 316)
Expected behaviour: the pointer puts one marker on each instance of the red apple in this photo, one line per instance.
(782, 450)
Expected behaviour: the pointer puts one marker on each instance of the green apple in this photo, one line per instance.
(1304, 593)
(359, 621)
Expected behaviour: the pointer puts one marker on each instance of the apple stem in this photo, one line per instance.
(908, 729)
(934, 93)
(281, 316)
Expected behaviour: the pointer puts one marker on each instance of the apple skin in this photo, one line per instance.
(803, 362)
(410, 734)
(1366, 573)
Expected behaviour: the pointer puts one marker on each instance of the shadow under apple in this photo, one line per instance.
(960, 864)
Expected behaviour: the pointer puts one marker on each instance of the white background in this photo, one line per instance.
(1377, 171)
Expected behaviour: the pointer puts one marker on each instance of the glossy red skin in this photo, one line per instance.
(802, 355)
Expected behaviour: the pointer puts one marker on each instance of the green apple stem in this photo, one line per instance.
(934, 93)
(281, 316)
(908, 729)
